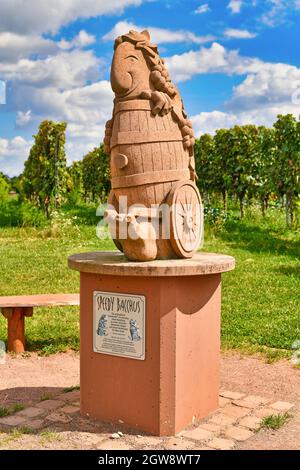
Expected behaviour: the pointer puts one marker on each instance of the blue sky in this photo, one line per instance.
(234, 61)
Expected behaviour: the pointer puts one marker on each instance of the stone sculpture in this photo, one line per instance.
(151, 147)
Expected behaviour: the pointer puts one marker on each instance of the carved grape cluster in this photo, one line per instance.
(164, 98)
(187, 132)
(161, 79)
(108, 134)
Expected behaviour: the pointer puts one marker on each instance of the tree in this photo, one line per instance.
(44, 176)
(252, 162)
(15, 183)
(205, 165)
(5, 177)
(287, 167)
(4, 189)
(223, 178)
(266, 163)
(75, 173)
(96, 174)
(239, 150)
(74, 185)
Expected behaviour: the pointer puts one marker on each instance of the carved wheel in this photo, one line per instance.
(186, 218)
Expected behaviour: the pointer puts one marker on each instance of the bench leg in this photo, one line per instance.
(16, 330)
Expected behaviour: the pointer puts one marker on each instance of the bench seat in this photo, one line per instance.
(16, 308)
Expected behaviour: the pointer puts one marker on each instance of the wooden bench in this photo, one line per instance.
(16, 308)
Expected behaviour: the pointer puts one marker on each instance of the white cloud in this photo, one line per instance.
(13, 154)
(239, 33)
(82, 40)
(63, 70)
(265, 82)
(85, 109)
(266, 91)
(58, 87)
(202, 9)
(270, 85)
(235, 6)
(41, 16)
(86, 105)
(16, 46)
(275, 13)
(215, 59)
(279, 11)
(211, 121)
(158, 35)
(89, 106)
(208, 122)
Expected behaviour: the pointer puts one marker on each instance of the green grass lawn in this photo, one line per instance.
(261, 298)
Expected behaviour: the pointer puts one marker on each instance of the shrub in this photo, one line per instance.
(4, 188)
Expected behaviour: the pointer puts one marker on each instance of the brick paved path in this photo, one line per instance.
(251, 390)
(238, 419)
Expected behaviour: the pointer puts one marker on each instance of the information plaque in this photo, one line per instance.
(119, 324)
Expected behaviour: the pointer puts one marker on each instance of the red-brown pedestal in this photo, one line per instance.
(179, 379)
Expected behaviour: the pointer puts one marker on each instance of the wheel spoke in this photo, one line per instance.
(186, 199)
(186, 218)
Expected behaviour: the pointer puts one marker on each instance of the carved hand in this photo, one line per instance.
(161, 101)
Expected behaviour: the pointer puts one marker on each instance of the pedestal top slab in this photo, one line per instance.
(116, 264)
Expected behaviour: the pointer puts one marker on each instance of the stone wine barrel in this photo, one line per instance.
(147, 154)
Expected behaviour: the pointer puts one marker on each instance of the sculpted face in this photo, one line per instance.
(130, 74)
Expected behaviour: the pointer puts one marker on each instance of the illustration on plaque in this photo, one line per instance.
(119, 324)
(134, 331)
(102, 326)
